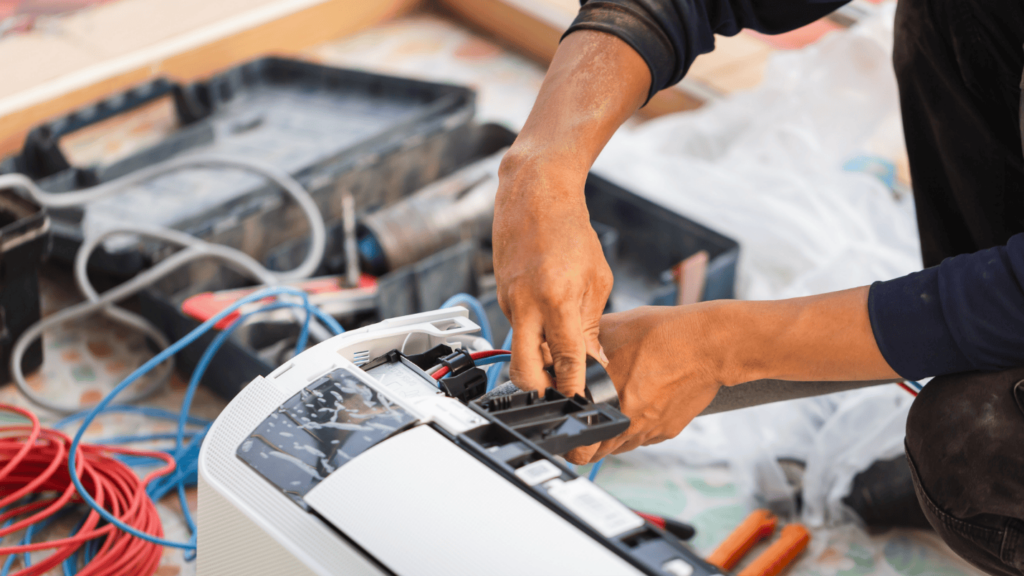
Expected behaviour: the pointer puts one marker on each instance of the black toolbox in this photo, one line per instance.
(24, 243)
(319, 124)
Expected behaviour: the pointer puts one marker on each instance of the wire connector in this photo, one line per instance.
(465, 381)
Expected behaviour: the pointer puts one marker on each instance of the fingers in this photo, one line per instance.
(592, 309)
(633, 437)
(545, 351)
(606, 448)
(582, 455)
(527, 366)
(564, 335)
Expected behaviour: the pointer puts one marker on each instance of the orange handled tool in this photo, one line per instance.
(758, 526)
(791, 542)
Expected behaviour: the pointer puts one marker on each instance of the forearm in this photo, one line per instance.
(824, 337)
(595, 82)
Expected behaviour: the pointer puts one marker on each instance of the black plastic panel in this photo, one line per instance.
(554, 422)
(320, 429)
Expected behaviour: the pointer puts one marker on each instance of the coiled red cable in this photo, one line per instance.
(34, 462)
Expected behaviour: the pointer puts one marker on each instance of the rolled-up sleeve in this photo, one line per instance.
(965, 314)
(670, 34)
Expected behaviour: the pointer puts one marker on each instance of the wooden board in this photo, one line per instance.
(112, 47)
(534, 27)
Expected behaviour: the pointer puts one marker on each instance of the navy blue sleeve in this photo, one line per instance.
(965, 314)
(670, 34)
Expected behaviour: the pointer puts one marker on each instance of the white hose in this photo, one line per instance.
(193, 249)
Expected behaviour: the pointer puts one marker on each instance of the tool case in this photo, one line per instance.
(319, 124)
(24, 243)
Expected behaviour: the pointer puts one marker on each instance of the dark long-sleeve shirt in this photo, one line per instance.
(670, 34)
(964, 314)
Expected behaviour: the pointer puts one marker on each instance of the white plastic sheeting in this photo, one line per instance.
(766, 167)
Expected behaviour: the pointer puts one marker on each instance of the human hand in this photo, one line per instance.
(663, 367)
(553, 280)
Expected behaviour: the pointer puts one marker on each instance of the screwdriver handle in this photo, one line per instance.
(791, 543)
(756, 527)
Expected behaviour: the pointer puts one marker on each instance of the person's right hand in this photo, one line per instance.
(553, 280)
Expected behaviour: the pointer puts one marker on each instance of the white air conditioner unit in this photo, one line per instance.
(328, 468)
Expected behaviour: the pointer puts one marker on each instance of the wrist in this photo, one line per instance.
(527, 172)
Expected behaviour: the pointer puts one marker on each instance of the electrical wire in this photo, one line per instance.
(185, 456)
(134, 557)
(192, 249)
(494, 372)
(482, 358)
(595, 470)
(35, 480)
(193, 444)
(182, 450)
(495, 359)
(910, 389)
(147, 411)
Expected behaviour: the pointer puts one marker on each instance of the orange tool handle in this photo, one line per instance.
(791, 543)
(758, 526)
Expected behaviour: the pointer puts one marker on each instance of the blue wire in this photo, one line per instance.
(595, 470)
(197, 376)
(494, 373)
(477, 308)
(70, 564)
(10, 559)
(203, 365)
(185, 468)
(142, 438)
(497, 359)
(143, 410)
(26, 557)
(139, 372)
(915, 385)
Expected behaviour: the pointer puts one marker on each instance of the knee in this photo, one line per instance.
(963, 424)
(963, 438)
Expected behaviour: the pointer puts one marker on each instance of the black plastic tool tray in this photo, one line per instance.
(24, 243)
(315, 122)
(650, 240)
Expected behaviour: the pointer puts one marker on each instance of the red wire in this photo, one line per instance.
(907, 387)
(656, 520)
(437, 375)
(33, 461)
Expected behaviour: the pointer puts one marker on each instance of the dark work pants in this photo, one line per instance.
(959, 65)
(965, 445)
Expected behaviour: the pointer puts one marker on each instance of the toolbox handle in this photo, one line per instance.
(41, 155)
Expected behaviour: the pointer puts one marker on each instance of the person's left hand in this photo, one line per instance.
(661, 362)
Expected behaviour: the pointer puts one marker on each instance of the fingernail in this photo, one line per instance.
(604, 358)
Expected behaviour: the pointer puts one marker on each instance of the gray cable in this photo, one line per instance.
(193, 249)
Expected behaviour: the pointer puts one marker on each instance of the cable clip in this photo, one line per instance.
(465, 381)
